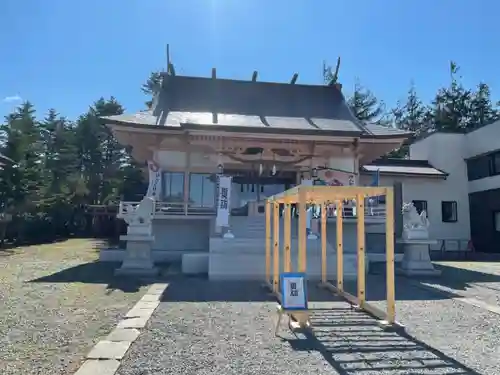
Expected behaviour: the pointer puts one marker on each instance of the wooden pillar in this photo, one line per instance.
(324, 259)
(302, 266)
(286, 237)
(340, 247)
(268, 240)
(360, 215)
(276, 249)
(389, 246)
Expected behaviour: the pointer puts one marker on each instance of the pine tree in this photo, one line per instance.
(482, 110)
(411, 115)
(451, 106)
(151, 85)
(364, 105)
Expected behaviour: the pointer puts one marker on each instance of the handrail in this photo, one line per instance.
(168, 208)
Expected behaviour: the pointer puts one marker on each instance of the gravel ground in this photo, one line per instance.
(204, 328)
(466, 333)
(55, 303)
(480, 280)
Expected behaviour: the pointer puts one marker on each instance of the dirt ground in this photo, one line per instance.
(56, 302)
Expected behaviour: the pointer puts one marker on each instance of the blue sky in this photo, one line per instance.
(66, 54)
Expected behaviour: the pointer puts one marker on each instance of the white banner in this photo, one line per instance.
(223, 200)
(154, 187)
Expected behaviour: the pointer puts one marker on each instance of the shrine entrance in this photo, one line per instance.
(249, 190)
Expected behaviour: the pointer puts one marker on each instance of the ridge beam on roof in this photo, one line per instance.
(254, 76)
(294, 78)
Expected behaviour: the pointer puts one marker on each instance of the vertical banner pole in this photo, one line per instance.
(389, 240)
(286, 238)
(340, 248)
(276, 241)
(324, 263)
(268, 241)
(360, 213)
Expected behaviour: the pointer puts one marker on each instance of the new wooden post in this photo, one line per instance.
(276, 241)
(268, 241)
(389, 241)
(340, 247)
(286, 238)
(324, 270)
(302, 231)
(360, 214)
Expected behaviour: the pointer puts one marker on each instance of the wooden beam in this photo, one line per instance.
(294, 78)
(360, 214)
(276, 248)
(287, 259)
(389, 259)
(268, 240)
(324, 269)
(340, 246)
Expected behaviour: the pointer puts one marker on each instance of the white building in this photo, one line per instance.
(464, 203)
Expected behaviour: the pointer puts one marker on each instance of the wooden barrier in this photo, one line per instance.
(325, 196)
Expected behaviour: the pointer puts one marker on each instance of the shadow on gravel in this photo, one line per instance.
(458, 278)
(95, 273)
(353, 343)
(184, 289)
(406, 289)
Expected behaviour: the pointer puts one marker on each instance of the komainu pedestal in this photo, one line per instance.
(416, 243)
(416, 258)
(138, 260)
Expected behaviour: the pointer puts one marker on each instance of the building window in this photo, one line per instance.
(449, 211)
(496, 219)
(173, 186)
(201, 190)
(420, 206)
(483, 166)
(495, 164)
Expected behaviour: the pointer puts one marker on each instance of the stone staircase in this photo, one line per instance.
(243, 257)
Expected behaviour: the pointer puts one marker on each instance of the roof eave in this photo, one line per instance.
(403, 136)
(270, 130)
(443, 175)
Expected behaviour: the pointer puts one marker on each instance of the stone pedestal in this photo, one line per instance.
(416, 234)
(416, 258)
(138, 260)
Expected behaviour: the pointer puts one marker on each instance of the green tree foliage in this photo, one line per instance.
(150, 86)
(365, 105)
(411, 115)
(61, 167)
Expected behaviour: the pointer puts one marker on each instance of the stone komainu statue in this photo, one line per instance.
(142, 214)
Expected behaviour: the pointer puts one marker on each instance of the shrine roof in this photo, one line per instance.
(252, 106)
(404, 167)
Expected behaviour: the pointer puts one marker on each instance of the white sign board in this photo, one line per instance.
(293, 287)
(223, 200)
(154, 187)
(307, 182)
